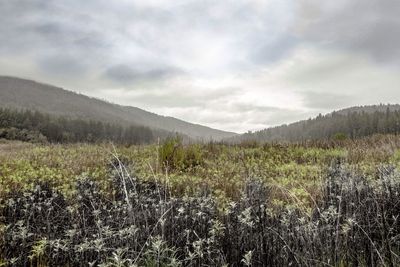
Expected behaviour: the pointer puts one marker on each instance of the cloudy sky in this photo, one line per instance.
(236, 65)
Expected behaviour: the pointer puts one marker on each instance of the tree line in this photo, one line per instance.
(34, 126)
(336, 125)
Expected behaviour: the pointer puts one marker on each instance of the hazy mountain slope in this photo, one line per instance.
(370, 108)
(352, 122)
(21, 93)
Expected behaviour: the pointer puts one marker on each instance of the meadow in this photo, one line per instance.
(320, 203)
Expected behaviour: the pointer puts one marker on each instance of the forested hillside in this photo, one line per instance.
(348, 123)
(38, 127)
(26, 94)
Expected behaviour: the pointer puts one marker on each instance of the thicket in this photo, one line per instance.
(355, 222)
(34, 126)
(32, 136)
(175, 156)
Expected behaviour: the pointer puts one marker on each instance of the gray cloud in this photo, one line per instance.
(125, 74)
(234, 64)
(368, 26)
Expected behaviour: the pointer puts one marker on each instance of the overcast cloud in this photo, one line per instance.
(235, 65)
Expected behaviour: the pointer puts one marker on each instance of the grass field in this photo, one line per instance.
(297, 169)
(160, 190)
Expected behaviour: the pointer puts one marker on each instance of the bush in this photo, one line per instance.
(340, 136)
(173, 155)
(193, 156)
(22, 135)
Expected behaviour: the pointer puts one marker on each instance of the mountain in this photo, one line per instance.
(19, 93)
(353, 122)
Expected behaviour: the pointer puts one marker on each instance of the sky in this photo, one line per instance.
(235, 65)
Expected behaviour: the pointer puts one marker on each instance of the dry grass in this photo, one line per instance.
(12, 148)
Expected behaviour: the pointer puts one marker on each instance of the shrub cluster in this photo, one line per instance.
(175, 156)
(22, 135)
(354, 223)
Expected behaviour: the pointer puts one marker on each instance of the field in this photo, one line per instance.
(328, 203)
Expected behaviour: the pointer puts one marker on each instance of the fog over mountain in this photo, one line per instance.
(235, 65)
(354, 122)
(18, 93)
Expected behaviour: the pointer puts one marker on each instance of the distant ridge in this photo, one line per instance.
(28, 94)
(351, 122)
(370, 108)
